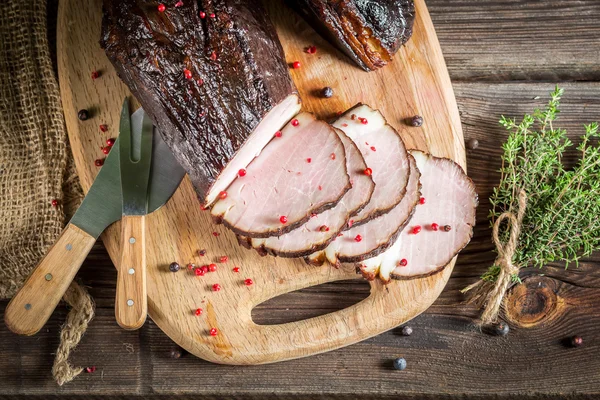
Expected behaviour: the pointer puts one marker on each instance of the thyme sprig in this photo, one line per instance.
(562, 218)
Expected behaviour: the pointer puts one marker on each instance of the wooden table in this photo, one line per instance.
(501, 55)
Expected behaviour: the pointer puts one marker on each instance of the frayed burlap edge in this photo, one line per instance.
(36, 166)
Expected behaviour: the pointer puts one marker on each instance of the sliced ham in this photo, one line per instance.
(322, 228)
(449, 200)
(368, 240)
(299, 173)
(217, 88)
(385, 155)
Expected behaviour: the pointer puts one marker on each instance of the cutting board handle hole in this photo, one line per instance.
(311, 302)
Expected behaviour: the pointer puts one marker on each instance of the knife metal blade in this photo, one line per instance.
(103, 203)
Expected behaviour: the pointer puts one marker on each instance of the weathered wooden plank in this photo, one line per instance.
(447, 355)
(519, 40)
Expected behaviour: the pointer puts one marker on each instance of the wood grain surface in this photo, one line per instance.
(447, 357)
(418, 83)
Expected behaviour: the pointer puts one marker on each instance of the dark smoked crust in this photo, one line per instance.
(388, 22)
(381, 211)
(472, 224)
(383, 247)
(292, 225)
(323, 244)
(204, 124)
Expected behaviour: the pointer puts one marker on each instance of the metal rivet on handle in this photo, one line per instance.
(48, 277)
(131, 271)
(69, 247)
(28, 306)
(129, 302)
(132, 240)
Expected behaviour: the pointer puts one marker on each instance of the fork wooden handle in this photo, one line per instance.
(131, 303)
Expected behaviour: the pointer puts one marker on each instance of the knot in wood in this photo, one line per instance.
(533, 302)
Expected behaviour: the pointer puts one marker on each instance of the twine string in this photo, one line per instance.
(506, 252)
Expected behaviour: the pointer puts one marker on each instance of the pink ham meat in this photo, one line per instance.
(450, 199)
(384, 153)
(368, 240)
(300, 173)
(322, 228)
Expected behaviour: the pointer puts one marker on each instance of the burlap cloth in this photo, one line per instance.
(35, 165)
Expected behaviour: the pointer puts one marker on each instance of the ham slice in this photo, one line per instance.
(322, 228)
(384, 153)
(300, 173)
(368, 240)
(449, 200)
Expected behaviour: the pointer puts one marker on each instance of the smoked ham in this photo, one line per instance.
(301, 172)
(385, 155)
(322, 228)
(439, 228)
(368, 240)
(369, 32)
(217, 88)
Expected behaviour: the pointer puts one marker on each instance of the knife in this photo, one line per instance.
(135, 156)
(33, 304)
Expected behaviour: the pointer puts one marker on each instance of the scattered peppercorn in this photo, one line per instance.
(202, 253)
(212, 267)
(215, 234)
(499, 329)
(213, 332)
(373, 148)
(407, 331)
(174, 267)
(202, 14)
(296, 64)
(311, 49)
(399, 364)
(434, 227)
(422, 200)
(99, 162)
(248, 282)
(295, 122)
(416, 121)
(363, 121)
(283, 219)
(110, 142)
(224, 259)
(161, 7)
(179, 3)
(323, 228)
(278, 134)
(95, 75)
(83, 114)
(223, 195)
(403, 262)
(416, 229)
(332, 156)
(447, 228)
(368, 172)
(212, 15)
(104, 127)
(198, 312)
(472, 143)
(327, 92)
(106, 149)
(199, 272)
(576, 341)
(175, 353)
(236, 269)
(357, 238)
(54, 203)
(216, 287)
(90, 370)
(187, 73)
(242, 172)
(213, 55)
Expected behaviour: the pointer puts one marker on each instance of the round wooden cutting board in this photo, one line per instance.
(416, 82)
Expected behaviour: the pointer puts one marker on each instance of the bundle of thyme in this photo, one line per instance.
(542, 211)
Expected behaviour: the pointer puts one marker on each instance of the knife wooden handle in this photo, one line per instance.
(131, 303)
(33, 304)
